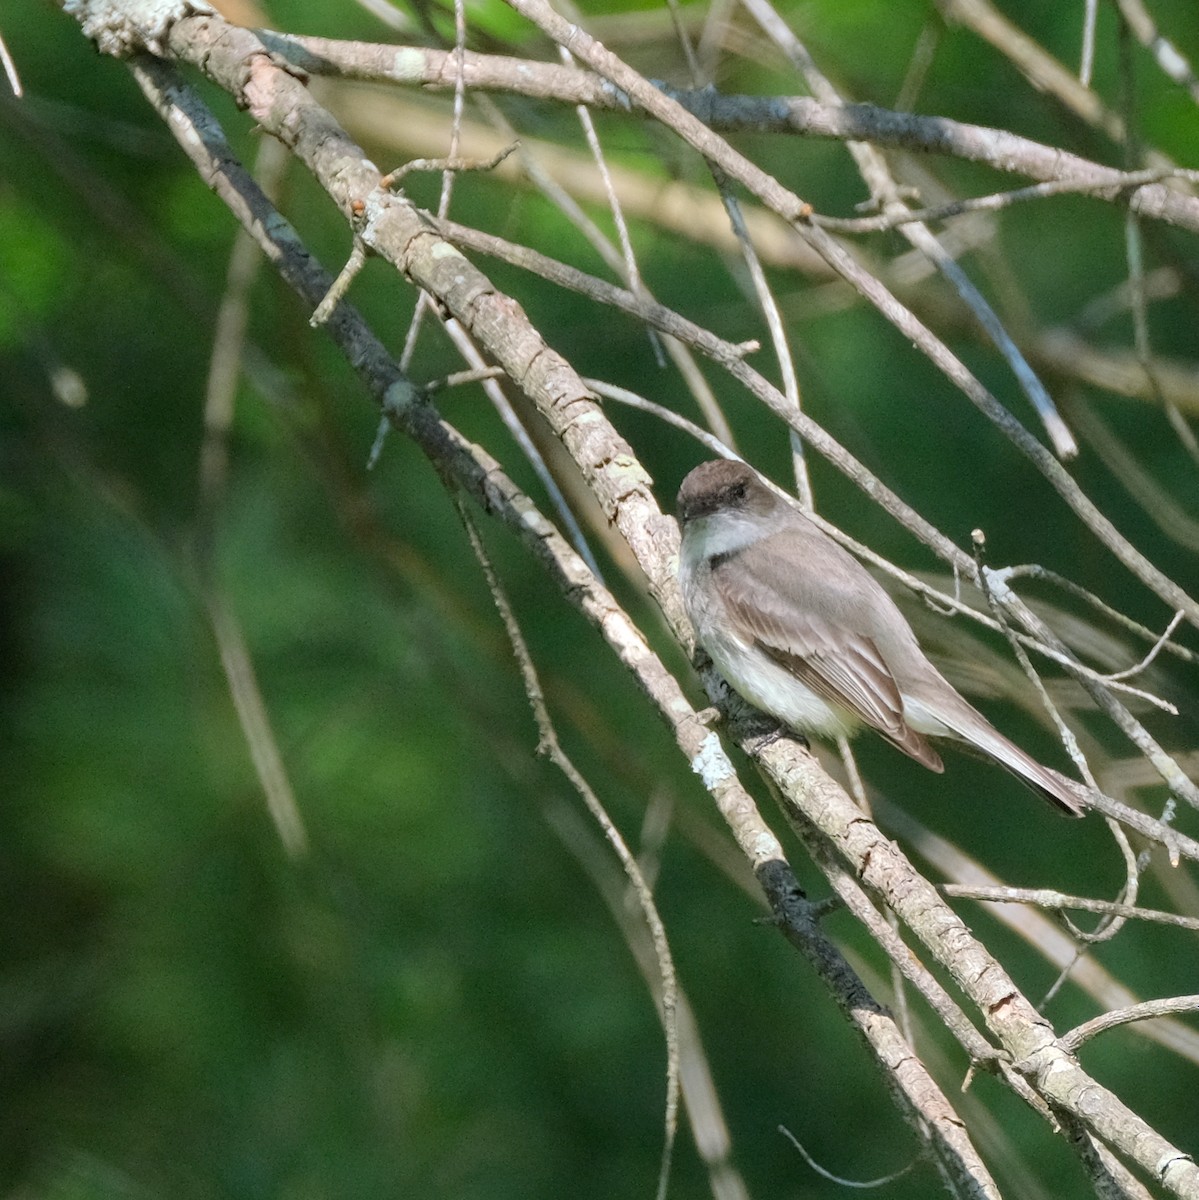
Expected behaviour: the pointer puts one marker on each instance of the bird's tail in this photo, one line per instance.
(978, 733)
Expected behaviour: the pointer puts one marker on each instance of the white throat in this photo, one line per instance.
(723, 532)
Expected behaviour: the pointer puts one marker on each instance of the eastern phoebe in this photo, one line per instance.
(800, 629)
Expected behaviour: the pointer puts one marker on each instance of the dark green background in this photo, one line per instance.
(436, 1001)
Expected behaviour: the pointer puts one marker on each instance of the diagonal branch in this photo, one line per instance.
(432, 69)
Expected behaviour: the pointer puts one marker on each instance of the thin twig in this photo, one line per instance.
(609, 391)
(341, 285)
(1172, 64)
(10, 70)
(681, 355)
(462, 378)
(918, 67)
(494, 391)
(769, 308)
(701, 1098)
(1145, 487)
(224, 373)
(841, 1181)
(1128, 672)
(1048, 898)
(997, 201)
(1137, 1012)
(631, 273)
(549, 746)
(1087, 62)
(1041, 69)
(1036, 571)
(885, 192)
(424, 297)
(1118, 371)
(986, 583)
(1069, 741)
(1111, 923)
(255, 722)
(450, 164)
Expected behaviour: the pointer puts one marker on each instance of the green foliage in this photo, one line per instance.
(33, 263)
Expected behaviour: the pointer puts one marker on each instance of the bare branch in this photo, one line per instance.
(1138, 1012)
(549, 745)
(10, 70)
(885, 193)
(840, 1181)
(1172, 64)
(1047, 898)
(803, 115)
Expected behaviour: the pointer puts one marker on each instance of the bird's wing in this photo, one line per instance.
(837, 660)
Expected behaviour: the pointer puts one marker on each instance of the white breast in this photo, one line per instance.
(747, 669)
(758, 678)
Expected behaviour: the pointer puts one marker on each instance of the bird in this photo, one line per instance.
(801, 630)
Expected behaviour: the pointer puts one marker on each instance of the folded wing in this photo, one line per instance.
(830, 652)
